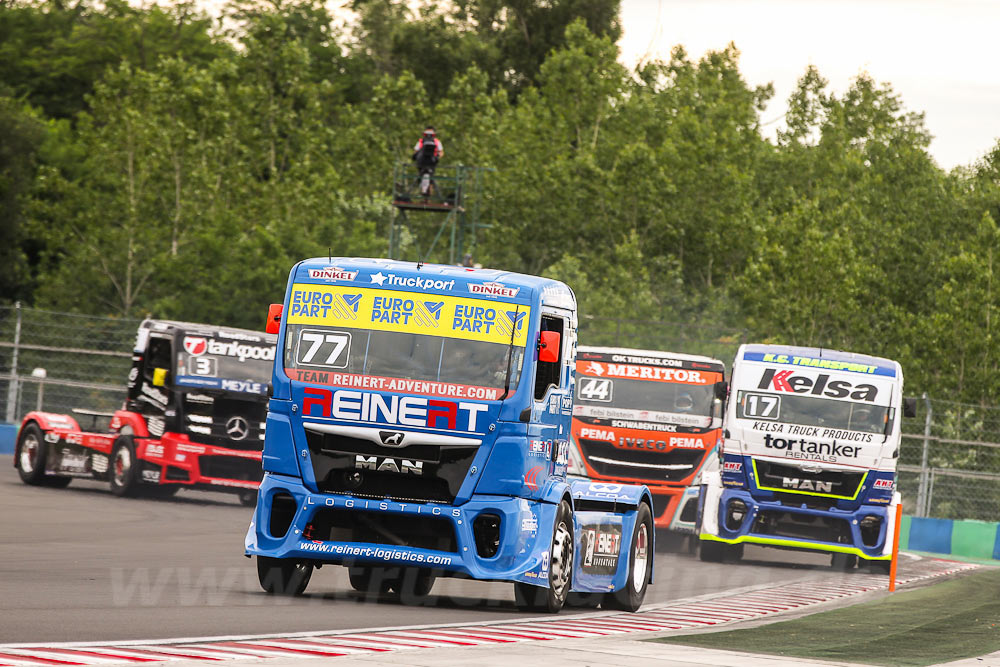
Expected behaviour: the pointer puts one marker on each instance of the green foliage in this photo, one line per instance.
(176, 166)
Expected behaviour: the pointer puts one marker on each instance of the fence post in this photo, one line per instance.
(923, 502)
(12, 388)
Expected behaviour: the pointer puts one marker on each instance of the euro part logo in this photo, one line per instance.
(195, 345)
(821, 385)
(325, 305)
(332, 273)
(395, 310)
(494, 289)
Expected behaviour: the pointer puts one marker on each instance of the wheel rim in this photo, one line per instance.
(640, 559)
(29, 453)
(123, 463)
(562, 560)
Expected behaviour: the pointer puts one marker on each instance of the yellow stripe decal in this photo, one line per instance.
(775, 542)
(408, 312)
(756, 477)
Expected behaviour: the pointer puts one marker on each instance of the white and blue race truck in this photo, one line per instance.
(419, 427)
(810, 443)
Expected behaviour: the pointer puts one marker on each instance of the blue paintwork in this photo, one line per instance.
(511, 453)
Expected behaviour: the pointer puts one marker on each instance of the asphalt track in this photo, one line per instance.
(79, 564)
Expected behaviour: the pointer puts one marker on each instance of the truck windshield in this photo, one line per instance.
(662, 402)
(811, 411)
(393, 354)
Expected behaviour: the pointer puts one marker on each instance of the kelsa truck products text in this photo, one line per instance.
(811, 440)
(648, 417)
(193, 418)
(419, 427)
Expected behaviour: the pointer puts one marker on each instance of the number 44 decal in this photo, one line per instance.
(593, 389)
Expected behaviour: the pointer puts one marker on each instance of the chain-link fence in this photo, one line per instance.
(949, 462)
(59, 361)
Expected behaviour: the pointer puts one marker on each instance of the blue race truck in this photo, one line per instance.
(810, 444)
(419, 427)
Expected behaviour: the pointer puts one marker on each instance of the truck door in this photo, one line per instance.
(552, 400)
(155, 396)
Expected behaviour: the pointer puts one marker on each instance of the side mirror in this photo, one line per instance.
(274, 318)
(548, 346)
(909, 407)
(721, 389)
(159, 377)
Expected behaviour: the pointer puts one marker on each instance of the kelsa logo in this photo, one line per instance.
(360, 406)
(821, 386)
(195, 345)
(732, 466)
(886, 484)
(494, 289)
(332, 273)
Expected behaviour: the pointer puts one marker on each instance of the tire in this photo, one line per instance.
(550, 599)
(32, 451)
(414, 585)
(281, 576)
(161, 490)
(843, 562)
(639, 564)
(584, 600)
(248, 498)
(122, 468)
(370, 580)
(878, 567)
(711, 551)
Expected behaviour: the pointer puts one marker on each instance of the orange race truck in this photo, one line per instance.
(648, 417)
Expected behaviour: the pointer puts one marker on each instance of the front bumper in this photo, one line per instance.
(772, 523)
(291, 521)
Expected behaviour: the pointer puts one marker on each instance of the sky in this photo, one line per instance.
(939, 56)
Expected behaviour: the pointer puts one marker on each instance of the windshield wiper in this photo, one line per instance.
(885, 429)
(510, 353)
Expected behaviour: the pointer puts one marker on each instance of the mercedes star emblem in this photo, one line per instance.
(237, 428)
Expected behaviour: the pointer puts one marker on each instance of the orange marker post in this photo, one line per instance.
(895, 548)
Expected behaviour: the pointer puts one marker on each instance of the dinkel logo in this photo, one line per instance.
(391, 438)
(195, 345)
(494, 289)
(806, 484)
(332, 273)
(821, 385)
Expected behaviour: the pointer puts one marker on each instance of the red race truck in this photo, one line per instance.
(193, 418)
(648, 417)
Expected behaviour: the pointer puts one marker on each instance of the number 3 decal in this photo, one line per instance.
(322, 348)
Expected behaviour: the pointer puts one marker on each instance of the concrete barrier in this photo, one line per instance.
(8, 436)
(969, 539)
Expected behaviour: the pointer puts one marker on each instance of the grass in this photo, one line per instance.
(952, 620)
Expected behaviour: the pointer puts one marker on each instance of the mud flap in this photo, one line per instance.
(712, 490)
(604, 522)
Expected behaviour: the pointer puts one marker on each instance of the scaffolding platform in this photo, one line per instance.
(449, 210)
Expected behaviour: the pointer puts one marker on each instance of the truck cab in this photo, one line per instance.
(811, 441)
(419, 427)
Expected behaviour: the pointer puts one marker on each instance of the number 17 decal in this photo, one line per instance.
(327, 349)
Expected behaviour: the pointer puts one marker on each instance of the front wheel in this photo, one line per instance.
(280, 576)
(124, 480)
(843, 562)
(640, 565)
(551, 599)
(32, 451)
